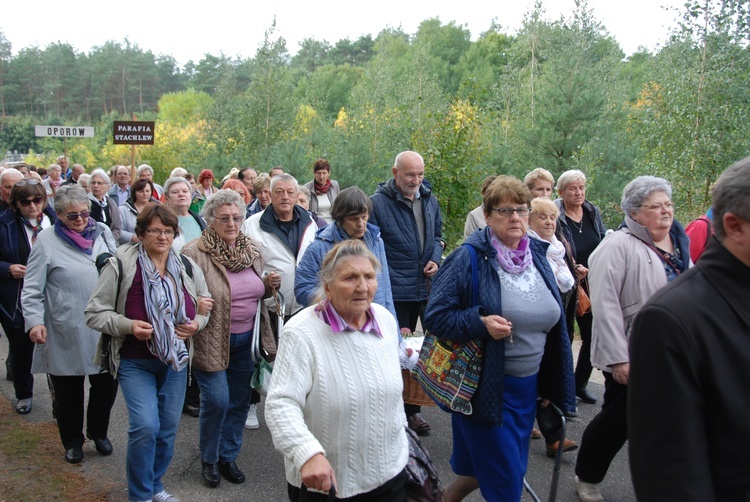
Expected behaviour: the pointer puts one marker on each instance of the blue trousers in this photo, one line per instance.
(154, 394)
(225, 400)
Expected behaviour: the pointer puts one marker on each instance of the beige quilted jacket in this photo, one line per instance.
(211, 345)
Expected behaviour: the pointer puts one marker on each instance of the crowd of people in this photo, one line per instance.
(171, 293)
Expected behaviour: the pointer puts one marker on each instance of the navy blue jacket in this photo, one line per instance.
(449, 315)
(14, 248)
(400, 234)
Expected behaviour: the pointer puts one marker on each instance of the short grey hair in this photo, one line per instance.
(283, 178)
(8, 171)
(102, 174)
(221, 198)
(730, 196)
(142, 168)
(173, 181)
(54, 166)
(84, 179)
(178, 172)
(641, 189)
(568, 177)
(306, 191)
(348, 248)
(67, 195)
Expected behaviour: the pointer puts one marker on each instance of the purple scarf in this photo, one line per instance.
(83, 242)
(513, 261)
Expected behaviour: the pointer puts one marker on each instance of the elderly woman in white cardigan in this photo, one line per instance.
(334, 408)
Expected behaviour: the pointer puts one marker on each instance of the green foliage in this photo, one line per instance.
(557, 94)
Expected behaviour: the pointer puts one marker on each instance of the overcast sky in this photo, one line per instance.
(187, 30)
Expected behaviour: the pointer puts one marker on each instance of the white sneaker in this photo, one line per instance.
(252, 417)
(588, 492)
(163, 496)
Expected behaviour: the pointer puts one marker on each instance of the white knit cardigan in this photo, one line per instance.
(339, 394)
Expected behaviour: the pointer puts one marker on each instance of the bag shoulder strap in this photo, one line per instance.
(188, 265)
(474, 274)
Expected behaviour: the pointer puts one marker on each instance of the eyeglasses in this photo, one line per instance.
(666, 205)
(507, 212)
(158, 233)
(226, 219)
(75, 216)
(27, 202)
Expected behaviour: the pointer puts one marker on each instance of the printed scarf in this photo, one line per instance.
(235, 258)
(165, 308)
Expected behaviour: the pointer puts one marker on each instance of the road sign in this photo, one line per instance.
(56, 131)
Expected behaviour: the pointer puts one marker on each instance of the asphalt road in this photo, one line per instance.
(264, 466)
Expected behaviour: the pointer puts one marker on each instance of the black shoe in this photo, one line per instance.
(211, 474)
(584, 396)
(231, 472)
(74, 456)
(191, 410)
(103, 446)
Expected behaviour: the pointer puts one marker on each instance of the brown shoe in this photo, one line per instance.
(568, 445)
(536, 434)
(418, 424)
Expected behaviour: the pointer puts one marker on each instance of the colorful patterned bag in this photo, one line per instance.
(449, 371)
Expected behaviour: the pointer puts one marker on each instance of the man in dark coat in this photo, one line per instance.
(412, 230)
(688, 411)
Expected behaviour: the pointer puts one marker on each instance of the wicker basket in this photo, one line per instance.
(413, 392)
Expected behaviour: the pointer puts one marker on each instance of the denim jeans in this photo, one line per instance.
(154, 394)
(225, 400)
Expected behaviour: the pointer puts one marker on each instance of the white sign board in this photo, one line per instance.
(42, 131)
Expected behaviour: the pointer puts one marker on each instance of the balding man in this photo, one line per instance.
(120, 191)
(412, 230)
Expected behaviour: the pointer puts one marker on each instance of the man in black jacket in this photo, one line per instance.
(688, 410)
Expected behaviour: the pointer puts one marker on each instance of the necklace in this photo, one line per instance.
(579, 225)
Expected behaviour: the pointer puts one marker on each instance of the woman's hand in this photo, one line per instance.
(497, 326)
(205, 305)
(621, 373)
(38, 334)
(186, 330)
(17, 271)
(142, 330)
(318, 474)
(581, 271)
(273, 280)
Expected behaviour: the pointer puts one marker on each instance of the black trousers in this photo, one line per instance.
(393, 490)
(583, 365)
(69, 402)
(407, 314)
(605, 435)
(20, 355)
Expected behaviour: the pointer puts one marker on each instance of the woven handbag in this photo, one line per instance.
(449, 371)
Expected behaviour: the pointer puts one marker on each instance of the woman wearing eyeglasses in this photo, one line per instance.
(518, 319)
(19, 228)
(60, 276)
(150, 305)
(649, 250)
(222, 361)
